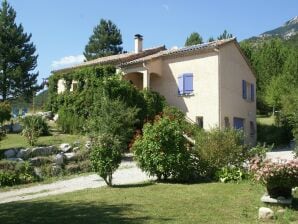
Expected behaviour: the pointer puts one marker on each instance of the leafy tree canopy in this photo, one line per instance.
(193, 39)
(106, 40)
(17, 57)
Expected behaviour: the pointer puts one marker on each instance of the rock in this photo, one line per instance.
(75, 149)
(46, 114)
(265, 213)
(16, 128)
(280, 200)
(38, 161)
(38, 172)
(88, 144)
(55, 118)
(59, 159)
(15, 159)
(11, 153)
(24, 153)
(70, 155)
(56, 170)
(43, 151)
(65, 147)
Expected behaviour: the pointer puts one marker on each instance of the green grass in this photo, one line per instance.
(266, 120)
(17, 141)
(147, 203)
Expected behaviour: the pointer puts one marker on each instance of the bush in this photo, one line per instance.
(5, 112)
(221, 148)
(230, 174)
(154, 103)
(162, 151)
(69, 122)
(33, 127)
(106, 156)
(259, 151)
(272, 134)
(279, 177)
(8, 178)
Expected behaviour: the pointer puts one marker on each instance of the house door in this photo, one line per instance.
(238, 123)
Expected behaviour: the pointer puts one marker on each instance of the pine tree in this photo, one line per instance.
(106, 40)
(211, 39)
(193, 39)
(224, 35)
(17, 57)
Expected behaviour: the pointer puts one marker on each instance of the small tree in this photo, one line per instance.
(5, 112)
(194, 39)
(225, 35)
(105, 40)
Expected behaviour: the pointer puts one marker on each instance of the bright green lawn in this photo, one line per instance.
(265, 120)
(147, 203)
(16, 140)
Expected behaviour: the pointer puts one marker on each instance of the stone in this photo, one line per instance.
(46, 114)
(88, 145)
(38, 161)
(75, 149)
(38, 172)
(24, 153)
(56, 170)
(70, 155)
(15, 159)
(16, 128)
(65, 147)
(265, 213)
(59, 159)
(280, 200)
(44, 151)
(55, 118)
(11, 153)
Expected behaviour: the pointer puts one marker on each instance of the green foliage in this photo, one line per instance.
(230, 174)
(221, 148)
(154, 103)
(259, 151)
(5, 111)
(272, 134)
(224, 35)
(105, 40)
(33, 127)
(211, 39)
(17, 57)
(162, 151)
(106, 156)
(193, 39)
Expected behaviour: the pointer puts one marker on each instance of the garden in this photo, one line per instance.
(106, 117)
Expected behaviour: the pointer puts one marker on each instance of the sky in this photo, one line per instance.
(61, 28)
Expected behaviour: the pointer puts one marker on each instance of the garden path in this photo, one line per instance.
(127, 173)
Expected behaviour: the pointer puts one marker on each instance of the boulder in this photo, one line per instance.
(265, 213)
(65, 147)
(88, 145)
(11, 153)
(24, 153)
(76, 149)
(55, 118)
(15, 159)
(16, 128)
(44, 151)
(59, 159)
(38, 172)
(70, 155)
(38, 161)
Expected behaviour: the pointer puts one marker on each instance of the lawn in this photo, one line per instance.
(147, 203)
(16, 140)
(266, 120)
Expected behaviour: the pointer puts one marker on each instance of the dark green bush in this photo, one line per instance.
(8, 178)
(85, 166)
(162, 150)
(5, 112)
(72, 168)
(7, 165)
(272, 134)
(155, 103)
(221, 148)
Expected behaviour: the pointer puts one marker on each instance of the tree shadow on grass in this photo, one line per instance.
(145, 184)
(76, 212)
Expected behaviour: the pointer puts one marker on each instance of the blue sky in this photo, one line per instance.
(61, 28)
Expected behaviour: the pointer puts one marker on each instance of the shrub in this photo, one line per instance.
(154, 103)
(33, 127)
(259, 151)
(5, 111)
(279, 177)
(106, 156)
(230, 174)
(162, 150)
(8, 178)
(220, 148)
(69, 122)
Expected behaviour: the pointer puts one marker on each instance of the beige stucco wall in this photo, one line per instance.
(204, 102)
(232, 70)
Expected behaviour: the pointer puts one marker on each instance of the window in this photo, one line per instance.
(252, 128)
(248, 91)
(199, 121)
(227, 122)
(238, 123)
(185, 84)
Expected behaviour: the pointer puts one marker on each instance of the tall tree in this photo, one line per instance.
(106, 40)
(211, 39)
(17, 57)
(224, 35)
(193, 39)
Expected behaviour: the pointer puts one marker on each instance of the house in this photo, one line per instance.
(213, 83)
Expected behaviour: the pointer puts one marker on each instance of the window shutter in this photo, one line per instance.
(244, 93)
(180, 85)
(252, 92)
(188, 83)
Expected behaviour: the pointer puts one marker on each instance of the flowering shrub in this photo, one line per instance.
(279, 177)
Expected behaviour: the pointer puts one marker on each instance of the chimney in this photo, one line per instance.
(138, 43)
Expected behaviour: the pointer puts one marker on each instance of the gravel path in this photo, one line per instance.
(280, 155)
(127, 173)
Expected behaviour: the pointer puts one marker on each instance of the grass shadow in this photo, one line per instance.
(65, 212)
(145, 184)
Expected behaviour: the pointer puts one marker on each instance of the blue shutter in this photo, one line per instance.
(244, 93)
(188, 83)
(238, 123)
(252, 92)
(180, 85)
